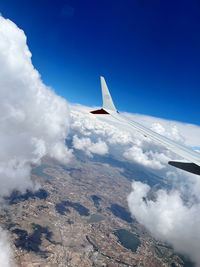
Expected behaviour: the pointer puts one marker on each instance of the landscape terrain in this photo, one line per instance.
(79, 217)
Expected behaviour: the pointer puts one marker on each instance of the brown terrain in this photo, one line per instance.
(79, 217)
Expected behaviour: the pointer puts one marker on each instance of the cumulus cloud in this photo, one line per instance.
(186, 133)
(88, 124)
(149, 158)
(34, 120)
(130, 144)
(174, 215)
(89, 147)
(168, 218)
(5, 251)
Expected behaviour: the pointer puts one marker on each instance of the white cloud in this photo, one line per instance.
(182, 132)
(34, 120)
(131, 144)
(150, 159)
(86, 123)
(168, 218)
(5, 251)
(89, 147)
(171, 132)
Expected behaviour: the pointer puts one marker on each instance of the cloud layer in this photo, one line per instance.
(34, 120)
(5, 251)
(130, 144)
(89, 147)
(168, 218)
(174, 216)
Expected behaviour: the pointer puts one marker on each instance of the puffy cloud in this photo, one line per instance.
(172, 132)
(34, 120)
(149, 158)
(5, 250)
(89, 147)
(88, 124)
(174, 216)
(168, 218)
(182, 132)
(131, 144)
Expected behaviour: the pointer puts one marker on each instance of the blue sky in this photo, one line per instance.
(148, 52)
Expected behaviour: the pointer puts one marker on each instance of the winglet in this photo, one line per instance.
(107, 99)
(108, 105)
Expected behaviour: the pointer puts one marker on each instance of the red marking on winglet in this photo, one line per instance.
(99, 111)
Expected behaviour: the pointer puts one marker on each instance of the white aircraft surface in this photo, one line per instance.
(191, 162)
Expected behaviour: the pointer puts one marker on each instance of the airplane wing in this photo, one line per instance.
(192, 158)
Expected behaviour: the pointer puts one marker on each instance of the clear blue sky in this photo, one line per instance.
(148, 51)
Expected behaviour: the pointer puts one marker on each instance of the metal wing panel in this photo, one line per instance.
(193, 157)
(177, 148)
(107, 99)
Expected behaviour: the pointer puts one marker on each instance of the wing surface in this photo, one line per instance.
(177, 148)
(192, 158)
